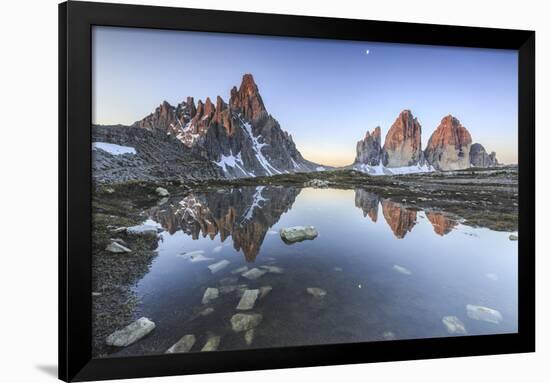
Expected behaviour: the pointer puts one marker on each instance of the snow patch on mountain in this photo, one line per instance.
(381, 170)
(113, 149)
(257, 147)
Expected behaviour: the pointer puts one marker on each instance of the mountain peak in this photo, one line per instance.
(449, 145)
(247, 99)
(403, 144)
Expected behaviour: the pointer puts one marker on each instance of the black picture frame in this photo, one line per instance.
(75, 325)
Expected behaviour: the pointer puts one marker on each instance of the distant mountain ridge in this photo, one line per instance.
(449, 148)
(240, 136)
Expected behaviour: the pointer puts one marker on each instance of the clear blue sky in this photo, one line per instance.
(326, 93)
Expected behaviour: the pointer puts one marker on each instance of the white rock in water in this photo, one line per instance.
(254, 273)
(240, 270)
(212, 343)
(190, 254)
(264, 290)
(401, 269)
(454, 325)
(162, 192)
(244, 322)
(231, 288)
(484, 314)
(210, 294)
(316, 292)
(215, 267)
(248, 299)
(207, 311)
(272, 269)
(131, 333)
(183, 345)
(298, 233)
(115, 247)
(249, 336)
(148, 230)
(388, 335)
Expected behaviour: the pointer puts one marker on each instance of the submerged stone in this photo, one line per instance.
(240, 270)
(254, 273)
(115, 247)
(244, 322)
(401, 269)
(454, 325)
(131, 333)
(210, 294)
(298, 233)
(215, 267)
(273, 269)
(249, 336)
(264, 290)
(483, 313)
(316, 292)
(228, 281)
(248, 300)
(212, 343)
(183, 345)
(231, 288)
(207, 311)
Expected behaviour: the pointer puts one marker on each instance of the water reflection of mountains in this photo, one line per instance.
(247, 214)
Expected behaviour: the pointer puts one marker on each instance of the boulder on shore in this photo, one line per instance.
(298, 233)
(131, 333)
(115, 247)
(145, 230)
(162, 192)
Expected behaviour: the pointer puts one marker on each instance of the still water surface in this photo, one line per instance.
(389, 272)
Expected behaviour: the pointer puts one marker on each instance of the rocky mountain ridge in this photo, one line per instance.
(449, 148)
(239, 136)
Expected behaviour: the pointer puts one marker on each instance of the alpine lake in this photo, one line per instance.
(400, 257)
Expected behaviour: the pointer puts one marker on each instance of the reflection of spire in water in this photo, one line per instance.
(368, 202)
(441, 223)
(400, 219)
(245, 214)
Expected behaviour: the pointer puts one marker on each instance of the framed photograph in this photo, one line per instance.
(250, 191)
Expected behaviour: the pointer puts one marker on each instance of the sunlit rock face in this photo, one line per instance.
(245, 214)
(368, 150)
(480, 158)
(368, 202)
(239, 136)
(400, 219)
(449, 146)
(442, 224)
(403, 144)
